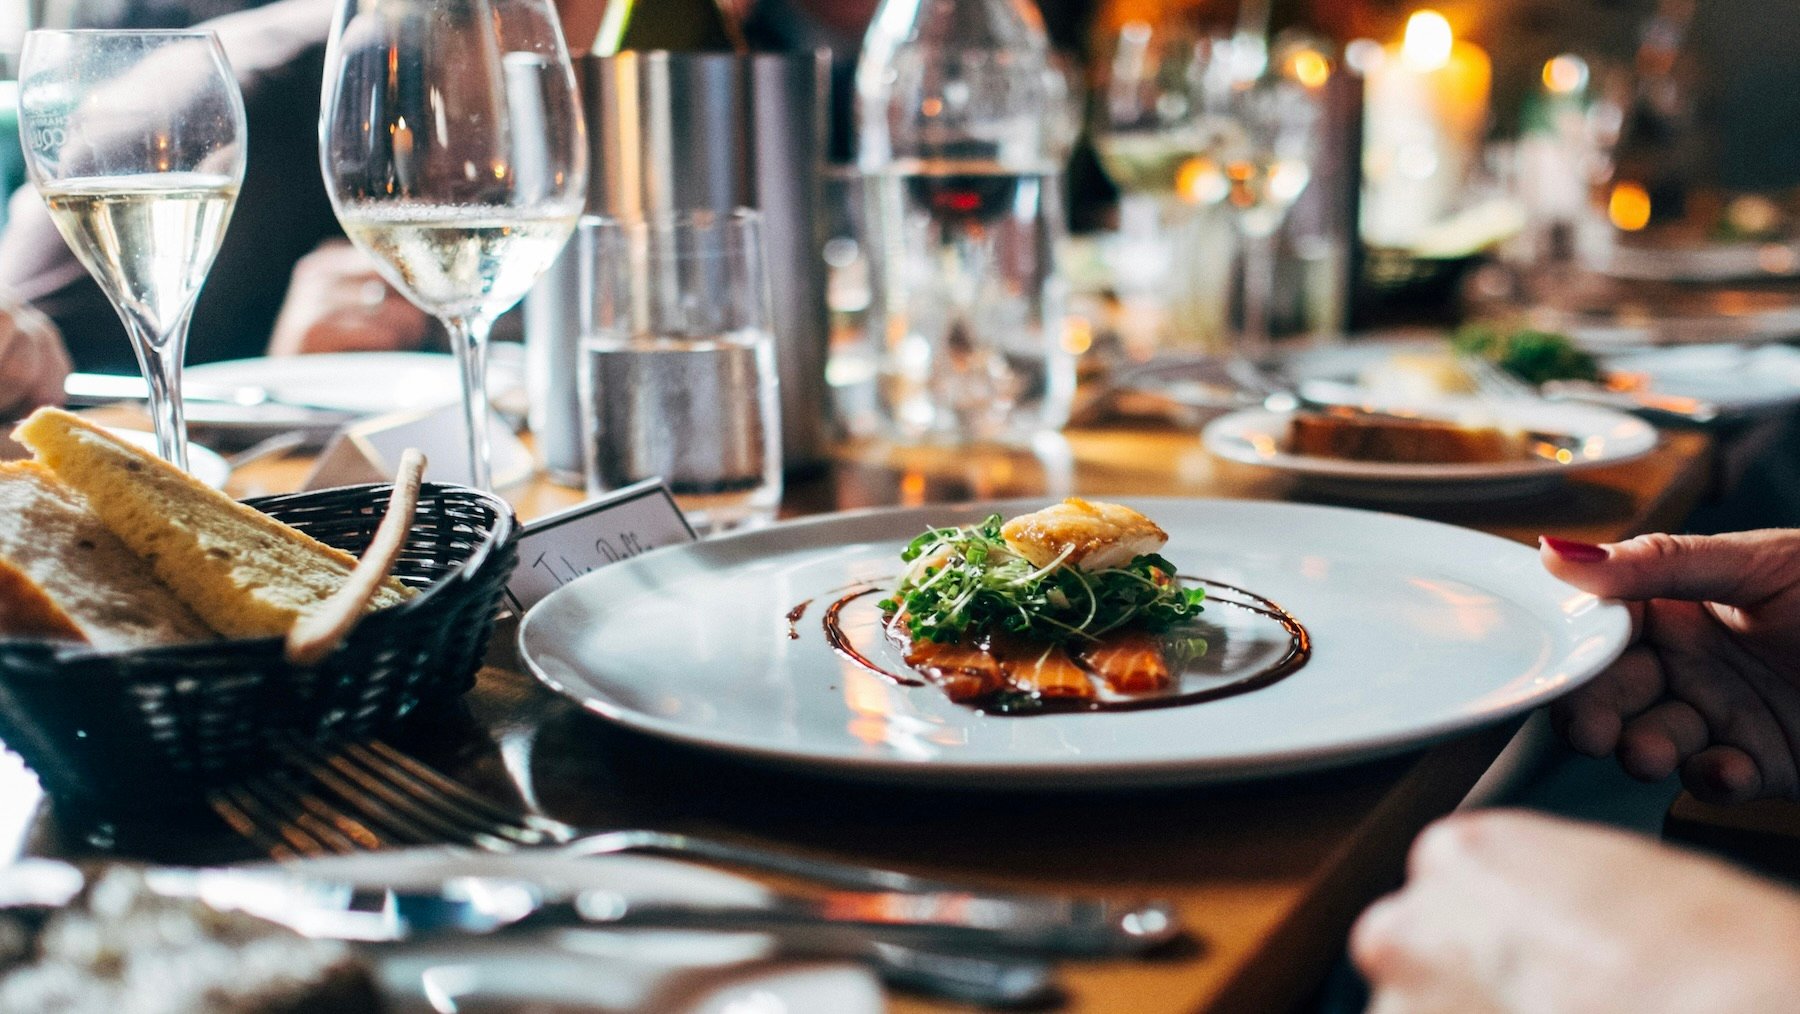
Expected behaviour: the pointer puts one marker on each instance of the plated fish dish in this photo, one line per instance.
(1072, 607)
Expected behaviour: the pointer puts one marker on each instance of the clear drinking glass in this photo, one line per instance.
(135, 141)
(454, 151)
(1161, 109)
(1260, 167)
(678, 364)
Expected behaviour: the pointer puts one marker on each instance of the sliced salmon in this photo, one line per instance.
(1130, 661)
(965, 672)
(1042, 670)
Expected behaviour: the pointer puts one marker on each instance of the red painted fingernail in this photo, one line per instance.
(1573, 551)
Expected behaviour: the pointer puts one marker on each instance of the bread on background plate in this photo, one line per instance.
(64, 576)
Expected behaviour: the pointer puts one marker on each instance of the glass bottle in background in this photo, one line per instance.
(1657, 160)
(961, 140)
(680, 26)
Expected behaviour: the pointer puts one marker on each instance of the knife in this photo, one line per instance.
(482, 905)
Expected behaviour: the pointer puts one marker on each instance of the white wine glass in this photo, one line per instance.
(453, 147)
(1260, 167)
(135, 141)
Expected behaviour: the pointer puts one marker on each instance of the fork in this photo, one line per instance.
(289, 819)
(386, 797)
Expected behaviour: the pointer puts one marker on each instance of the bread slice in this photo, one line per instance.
(241, 571)
(64, 576)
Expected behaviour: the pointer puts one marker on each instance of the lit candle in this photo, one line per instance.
(1426, 115)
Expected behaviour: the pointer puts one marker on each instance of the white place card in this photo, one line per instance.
(369, 451)
(622, 524)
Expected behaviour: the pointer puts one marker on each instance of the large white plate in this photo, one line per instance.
(1603, 437)
(1420, 631)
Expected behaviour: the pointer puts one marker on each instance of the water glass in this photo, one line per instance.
(677, 366)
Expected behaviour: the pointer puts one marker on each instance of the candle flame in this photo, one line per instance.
(1565, 74)
(1629, 207)
(1311, 68)
(1428, 41)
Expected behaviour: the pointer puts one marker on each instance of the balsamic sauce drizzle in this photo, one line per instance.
(1298, 653)
(794, 616)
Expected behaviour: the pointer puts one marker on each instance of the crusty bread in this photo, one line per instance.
(64, 576)
(241, 571)
(1361, 437)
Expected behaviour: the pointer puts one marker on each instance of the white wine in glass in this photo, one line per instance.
(135, 142)
(454, 151)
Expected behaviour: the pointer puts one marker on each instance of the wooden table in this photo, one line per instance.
(1267, 875)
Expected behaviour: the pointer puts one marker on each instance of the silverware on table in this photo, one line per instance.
(322, 907)
(364, 796)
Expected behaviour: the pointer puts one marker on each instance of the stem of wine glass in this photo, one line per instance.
(160, 362)
(469, 337)
(1259, 293)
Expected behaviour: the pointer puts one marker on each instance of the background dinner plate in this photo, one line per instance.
(1258, 437)
(1735, 379)
(366, 383)
(203, 464)
(1420, 631)
(359, 383)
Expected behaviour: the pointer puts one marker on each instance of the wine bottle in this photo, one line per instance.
(676, 25)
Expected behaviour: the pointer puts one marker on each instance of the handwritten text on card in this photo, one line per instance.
(558, 549)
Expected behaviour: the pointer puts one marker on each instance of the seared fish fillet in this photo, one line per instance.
(1096, 535)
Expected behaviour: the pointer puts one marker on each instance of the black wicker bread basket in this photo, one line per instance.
(154, 728)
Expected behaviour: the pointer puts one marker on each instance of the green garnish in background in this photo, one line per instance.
(961, 579)
(1535, 357)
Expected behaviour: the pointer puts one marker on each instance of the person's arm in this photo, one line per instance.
(282, 212)
(32, 360)
(1509, 912)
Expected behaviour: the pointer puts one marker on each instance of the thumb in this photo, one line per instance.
(1741, 569)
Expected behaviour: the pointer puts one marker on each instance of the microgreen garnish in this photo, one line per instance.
(962, 579)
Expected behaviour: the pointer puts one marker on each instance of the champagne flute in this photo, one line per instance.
(135, 141)
(1261, 167)
(454, 151)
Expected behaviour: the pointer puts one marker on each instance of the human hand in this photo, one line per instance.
(1510, 912)
(1710, 686)
(580, 23)
(338, 302)
(33, 362)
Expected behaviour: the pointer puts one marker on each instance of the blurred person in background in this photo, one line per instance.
(285, 280)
